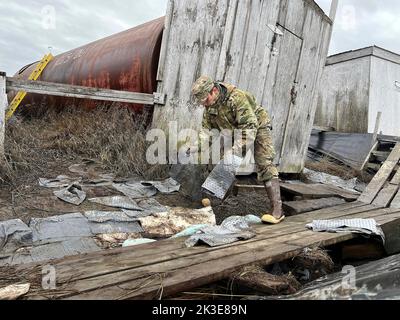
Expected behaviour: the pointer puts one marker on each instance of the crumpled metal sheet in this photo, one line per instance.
(135, 190)
(175, 220)
(60, 228)
(167, 186)
(147, 206)
(362, 226)
(13, 235)
(107, 216)
(101, 222)
(233, 229)
(14, 292)
(321, 177)
(117, 202)
(59, 182)
(51, 251)
(221, 179)
(72, 194)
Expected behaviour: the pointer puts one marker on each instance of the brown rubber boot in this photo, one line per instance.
(274, 195)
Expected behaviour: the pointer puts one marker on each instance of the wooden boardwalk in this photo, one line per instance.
(164, 268)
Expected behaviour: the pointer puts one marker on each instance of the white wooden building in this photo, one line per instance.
(355, 87)
(274, 48)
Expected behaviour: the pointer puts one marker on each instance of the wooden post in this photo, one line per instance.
(3, 107)
(377, 125)
(333, 11)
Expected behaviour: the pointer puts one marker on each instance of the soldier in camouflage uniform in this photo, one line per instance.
(227, 107)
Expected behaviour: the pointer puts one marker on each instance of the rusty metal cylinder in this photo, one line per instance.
(127, 61)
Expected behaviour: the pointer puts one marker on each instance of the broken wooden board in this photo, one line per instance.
(381, 177)
(292, 208)
(318, 191)
(395, 204)
(165, 268)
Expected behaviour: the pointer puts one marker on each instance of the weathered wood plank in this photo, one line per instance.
(316, 191)
(166, 284)
(63, 90)
(381, 177)
(165, 41)
(395, 204)
(3, 107)
(297, 207)
(386, 195)
(316, 34)
(333, 10)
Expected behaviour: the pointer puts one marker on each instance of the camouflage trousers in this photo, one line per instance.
(264, 154)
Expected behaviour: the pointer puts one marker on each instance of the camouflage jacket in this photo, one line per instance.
(235, 110)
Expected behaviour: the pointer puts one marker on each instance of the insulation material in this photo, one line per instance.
(14, 292)
(167, 224)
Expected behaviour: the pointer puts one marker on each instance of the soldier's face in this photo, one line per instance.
(211, 98)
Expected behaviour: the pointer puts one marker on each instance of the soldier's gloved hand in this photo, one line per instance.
(231, 158)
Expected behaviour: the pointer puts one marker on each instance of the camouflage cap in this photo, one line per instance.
(202, 87)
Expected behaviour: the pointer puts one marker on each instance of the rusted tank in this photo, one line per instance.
(125, 61)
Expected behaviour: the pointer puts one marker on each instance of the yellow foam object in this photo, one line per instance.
(270, 219)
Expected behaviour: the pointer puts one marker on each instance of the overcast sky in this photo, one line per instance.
(29, 27)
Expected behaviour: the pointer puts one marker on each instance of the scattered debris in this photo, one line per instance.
(117, 202)
(72, 194)
(59, 182)
(165, 187)
(101, 222)
(233, 229)
(324, 178)
(148, 206)
(362, 226)
(137, 242)
(14, 234)
(135, 190)
(190, 231)
(14, 292)
(147, 189)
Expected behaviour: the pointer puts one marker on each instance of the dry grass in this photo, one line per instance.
(113, 136)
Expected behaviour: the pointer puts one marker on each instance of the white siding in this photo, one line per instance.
(344, 96)
(385, 96)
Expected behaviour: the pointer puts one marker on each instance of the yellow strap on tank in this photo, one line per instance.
(33, 77)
